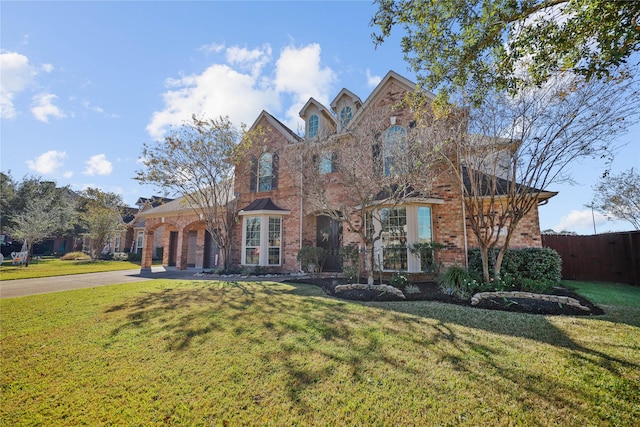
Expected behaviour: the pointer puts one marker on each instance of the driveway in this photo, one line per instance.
(24, 287)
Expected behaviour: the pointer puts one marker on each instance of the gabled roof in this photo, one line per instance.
(326, 113)
(390, 77)
(348, 94)
(278, 125)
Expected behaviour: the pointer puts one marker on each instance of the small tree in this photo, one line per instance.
(40, 210)
(101, 215)
(619, 196)
(197, 162)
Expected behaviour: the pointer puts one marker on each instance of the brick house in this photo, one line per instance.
(276, 220)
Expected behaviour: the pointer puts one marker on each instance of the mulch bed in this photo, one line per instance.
(430, 291)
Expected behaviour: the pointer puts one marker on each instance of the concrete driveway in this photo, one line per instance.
(24, 287)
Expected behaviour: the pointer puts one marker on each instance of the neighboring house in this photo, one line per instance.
(134, 240)
(275, 220)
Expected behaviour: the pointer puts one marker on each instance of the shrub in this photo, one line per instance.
(351, 262)
(120, 256)
(75, 256)
(411, 289)
(310, 258)
(134, 257)
(399, 280)
(457, 281)
(528, 269)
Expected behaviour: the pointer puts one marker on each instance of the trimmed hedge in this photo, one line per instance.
(531, 269)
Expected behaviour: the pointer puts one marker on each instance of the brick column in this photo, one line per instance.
(147, 251)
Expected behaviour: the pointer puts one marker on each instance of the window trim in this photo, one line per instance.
(264, 247)
(412, 234)
(265, 166)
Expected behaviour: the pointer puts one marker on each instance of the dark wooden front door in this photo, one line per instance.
(329, 237)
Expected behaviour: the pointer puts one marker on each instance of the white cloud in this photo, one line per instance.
(299, 72)
(244, 86)
(67, 174)
(212, 47)
(17, 75)
(47, 68)
(44, 108)
(98, 165)
(47, 163)
(372, 81)
(580, 221)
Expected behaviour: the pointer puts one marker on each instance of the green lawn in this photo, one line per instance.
(197, 353)
(607, 293)
(57, 267)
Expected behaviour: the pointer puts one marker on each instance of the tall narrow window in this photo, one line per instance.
(313, 126)
(139, 242)
(345, 116)
(395, 141)
(394, 238)
(326, 163)
(424, 224)
(265, 172)
(275, 236)
(252, 241)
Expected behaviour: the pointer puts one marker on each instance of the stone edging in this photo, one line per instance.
(380, 288)
(551, 298)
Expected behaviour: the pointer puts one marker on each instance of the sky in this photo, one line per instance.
(83, 85)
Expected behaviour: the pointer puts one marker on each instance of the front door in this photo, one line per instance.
(329, 238)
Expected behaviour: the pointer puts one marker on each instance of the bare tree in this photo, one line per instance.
(517, 146)
(197, 162)
(619, 196)
(379, 166)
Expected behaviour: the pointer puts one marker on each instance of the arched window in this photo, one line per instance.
(395, 142)
(313, 126)
(265, 172)
(345, 116)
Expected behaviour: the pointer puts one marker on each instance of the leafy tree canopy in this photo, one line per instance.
(505, 44)
(619, 196)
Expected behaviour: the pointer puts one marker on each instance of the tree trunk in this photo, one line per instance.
(372, 259)
(484, 252)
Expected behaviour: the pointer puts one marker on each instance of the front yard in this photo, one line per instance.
(213, 353)
(47, 267)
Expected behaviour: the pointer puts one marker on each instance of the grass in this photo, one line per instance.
(210, 353)
(607, 293)
(56, 267)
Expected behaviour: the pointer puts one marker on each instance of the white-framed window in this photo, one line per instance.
(313, 126)
(116, 246)
(401, 227)
(262, 240)
(265, 172)
(394, 144)
(139, 242)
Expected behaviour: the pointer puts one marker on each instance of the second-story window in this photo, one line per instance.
(313, 126)
(265, 172)
(395, 141)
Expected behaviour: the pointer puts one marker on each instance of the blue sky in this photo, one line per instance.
(85, 84)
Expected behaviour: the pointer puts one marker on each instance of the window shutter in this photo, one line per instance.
(253, 174)
(274, 171)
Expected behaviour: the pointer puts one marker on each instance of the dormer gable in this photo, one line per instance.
(289, 135)
(345, 106)
(317, 118)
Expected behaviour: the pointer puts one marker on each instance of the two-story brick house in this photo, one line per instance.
(276, 219)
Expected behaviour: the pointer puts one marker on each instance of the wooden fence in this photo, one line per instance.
(611, 257)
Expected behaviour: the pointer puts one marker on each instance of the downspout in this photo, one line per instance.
(301, 210)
